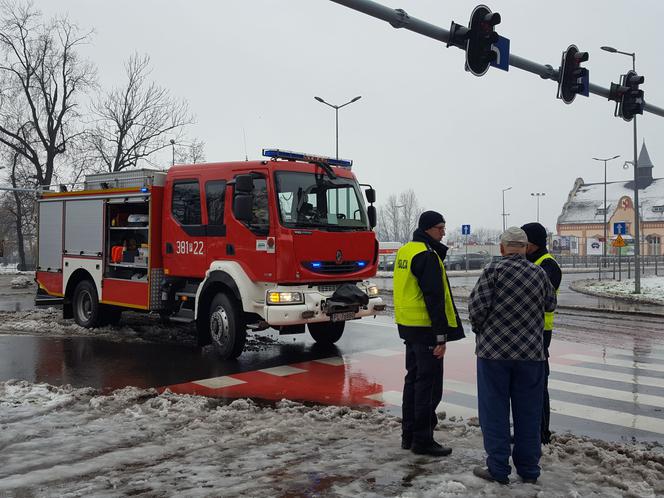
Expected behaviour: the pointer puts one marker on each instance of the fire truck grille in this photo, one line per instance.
(327, 288)
(332, 267)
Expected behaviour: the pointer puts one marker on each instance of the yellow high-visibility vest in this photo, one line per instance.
(409, 306)
(548, 315)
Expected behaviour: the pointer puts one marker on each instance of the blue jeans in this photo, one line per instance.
(422, 392)
(500, 382)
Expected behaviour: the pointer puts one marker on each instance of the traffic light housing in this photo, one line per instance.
(632, 101)
(573, 78)
(628, 96)
(480, 38)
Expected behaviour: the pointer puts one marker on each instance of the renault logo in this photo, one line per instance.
(340, 256)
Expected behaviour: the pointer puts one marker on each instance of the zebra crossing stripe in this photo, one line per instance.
(606, 416)
(615, 362)
(642, 380)
(451, 409)
(602, 392)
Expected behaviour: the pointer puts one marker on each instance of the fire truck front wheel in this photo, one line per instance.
(86, 304)
(227, 330)
(326, 332)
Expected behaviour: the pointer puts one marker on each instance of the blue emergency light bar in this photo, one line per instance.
(310, 158)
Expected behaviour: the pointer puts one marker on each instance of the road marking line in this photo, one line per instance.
(615, 362)
(636, 354)
(282, 371)
(602, 392)
(604, 415)
(335, 361)
(636, 378)
(217, 382)
(451, 409)
(381, 352)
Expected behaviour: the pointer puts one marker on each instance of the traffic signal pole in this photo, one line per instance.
(398, 18)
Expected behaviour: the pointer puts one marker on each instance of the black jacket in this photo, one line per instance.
(426, 269)
(550, 266)
(553, 271)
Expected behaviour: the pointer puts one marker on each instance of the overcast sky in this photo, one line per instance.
(423, 122)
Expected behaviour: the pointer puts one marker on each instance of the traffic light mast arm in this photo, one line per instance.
(398, 18)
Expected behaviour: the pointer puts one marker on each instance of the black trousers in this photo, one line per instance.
(546, 406)
(422, 392)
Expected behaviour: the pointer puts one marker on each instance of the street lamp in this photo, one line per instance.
(637, 244)
(505, 215)
(173, 147)
(336, 110)
(537, 195)
(605, 206)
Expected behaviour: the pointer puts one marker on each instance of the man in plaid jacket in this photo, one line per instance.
(507, 309)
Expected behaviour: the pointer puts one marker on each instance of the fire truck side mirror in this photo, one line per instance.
(242, 204)
(371, 195)
(244, 184)
(371, 212)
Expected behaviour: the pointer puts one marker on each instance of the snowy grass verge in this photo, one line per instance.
(63, 441)
(652, 289)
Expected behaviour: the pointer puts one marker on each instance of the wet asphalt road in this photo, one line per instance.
(633, 344)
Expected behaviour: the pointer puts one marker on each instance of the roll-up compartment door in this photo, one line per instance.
(50, 236)
(84, 222)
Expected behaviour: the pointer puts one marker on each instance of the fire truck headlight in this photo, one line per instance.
(274, 297)
(372, 290)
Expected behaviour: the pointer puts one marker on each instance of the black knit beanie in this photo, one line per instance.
(536, 233)
(429, 219)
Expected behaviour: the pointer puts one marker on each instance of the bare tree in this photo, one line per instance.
(192, 153)
(397, 218)
(21, 206)
(41, 76)
(137, 120)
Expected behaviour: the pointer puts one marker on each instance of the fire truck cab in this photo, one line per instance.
(285, 242)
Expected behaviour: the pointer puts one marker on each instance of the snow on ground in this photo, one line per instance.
(652, 289)
(4, 268)
(21, 282)
(134, 327)
(61, 441)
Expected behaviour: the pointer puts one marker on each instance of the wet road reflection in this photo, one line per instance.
(607, 389)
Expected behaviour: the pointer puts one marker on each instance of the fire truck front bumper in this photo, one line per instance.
(304, 304)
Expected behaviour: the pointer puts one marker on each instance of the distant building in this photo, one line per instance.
(580, 225)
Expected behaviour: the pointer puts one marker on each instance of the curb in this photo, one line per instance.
(464, 299)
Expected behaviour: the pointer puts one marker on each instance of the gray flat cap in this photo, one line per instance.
(514, 236)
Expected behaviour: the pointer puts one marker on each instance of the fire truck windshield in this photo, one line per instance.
(315, 200)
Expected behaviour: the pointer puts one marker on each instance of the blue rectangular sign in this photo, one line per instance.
(620, 228)
(465, 229)
(502, 49)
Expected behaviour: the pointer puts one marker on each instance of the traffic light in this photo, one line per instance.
(627, 95)
(632, 101)
(481, 36)
(573, 78)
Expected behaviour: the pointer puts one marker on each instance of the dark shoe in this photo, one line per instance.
(431, 449)
(484, 473)
(529, 481)
(406, 443)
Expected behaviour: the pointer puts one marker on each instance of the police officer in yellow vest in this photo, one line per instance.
(427, 320)
(538, 254)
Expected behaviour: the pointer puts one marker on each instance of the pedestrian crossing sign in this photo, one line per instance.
(619, 242)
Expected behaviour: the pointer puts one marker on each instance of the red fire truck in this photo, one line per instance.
(283, 243)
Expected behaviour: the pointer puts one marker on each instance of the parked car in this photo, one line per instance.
(475, 261)
(386, 262)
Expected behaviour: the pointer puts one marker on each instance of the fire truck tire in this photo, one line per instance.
(86, 307)
(227, 330)
(326, 332)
